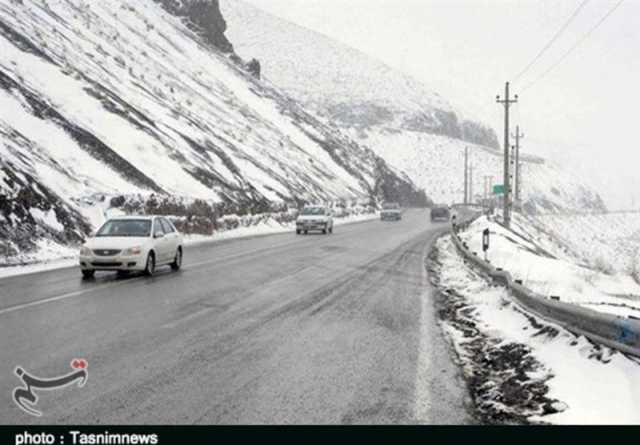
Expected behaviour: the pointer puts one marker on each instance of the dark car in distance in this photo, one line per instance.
(440, 213)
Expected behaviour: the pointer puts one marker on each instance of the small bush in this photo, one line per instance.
(602, 265)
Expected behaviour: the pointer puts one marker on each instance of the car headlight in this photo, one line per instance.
(132, 251)
(85, 251)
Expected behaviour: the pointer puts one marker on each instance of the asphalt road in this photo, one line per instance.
(275, 329)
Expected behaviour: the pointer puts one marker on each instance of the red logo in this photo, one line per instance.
(79, 363)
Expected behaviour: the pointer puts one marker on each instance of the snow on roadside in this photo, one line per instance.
(51, 256)
(270, 227)
(521, 369)
(548, 270)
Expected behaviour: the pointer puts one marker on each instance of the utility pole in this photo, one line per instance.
(518, 137)
(471, 184)
(507, 101)
(484, 193)
(466, 175)
(512, 177)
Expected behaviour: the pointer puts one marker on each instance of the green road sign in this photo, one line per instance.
(498, 189)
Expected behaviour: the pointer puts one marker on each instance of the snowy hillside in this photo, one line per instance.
(610, 242)
(340, 83)
(120, 97)
(549, 268)
(436, 163)
(413, 129)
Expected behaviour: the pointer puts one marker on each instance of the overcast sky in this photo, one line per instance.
(583, 113)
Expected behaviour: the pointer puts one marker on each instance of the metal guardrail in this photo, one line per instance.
(616, 332)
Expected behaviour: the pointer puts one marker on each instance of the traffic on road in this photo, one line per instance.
(266, 329)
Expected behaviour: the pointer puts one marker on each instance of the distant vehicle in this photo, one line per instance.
(314, 218)
(391, 211)
(440, 213)
(132, 244)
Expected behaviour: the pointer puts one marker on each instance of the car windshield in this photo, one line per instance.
(391, 206)
(126, 227)
(313, 211)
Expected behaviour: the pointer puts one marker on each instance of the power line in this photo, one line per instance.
(553, 39)
(575, 46)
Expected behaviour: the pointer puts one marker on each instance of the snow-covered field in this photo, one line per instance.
(550, 269)
(521, 369)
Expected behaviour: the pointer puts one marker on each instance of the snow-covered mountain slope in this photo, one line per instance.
(436, 163)
(120, 97)
(608, 242)
(340, 83)
(413, 129)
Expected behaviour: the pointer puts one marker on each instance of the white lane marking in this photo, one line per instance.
(190, 266)
(110, 285)
(64, 296)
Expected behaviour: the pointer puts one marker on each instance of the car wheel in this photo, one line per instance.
(298, 232)
(177, 261)
(306, 232)
(150, 268)
(88, 274)
(331, 229)
(324, 231)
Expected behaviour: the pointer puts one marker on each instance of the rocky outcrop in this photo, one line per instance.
(254, 68)
(479, 134)
(203, 17)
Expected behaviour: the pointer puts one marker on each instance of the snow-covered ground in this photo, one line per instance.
(521, 369)
(50, 256)
(549, 269)
(602, 240)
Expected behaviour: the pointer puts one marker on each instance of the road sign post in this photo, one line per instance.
(485, 242)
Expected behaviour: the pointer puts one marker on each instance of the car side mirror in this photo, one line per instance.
(158, 235)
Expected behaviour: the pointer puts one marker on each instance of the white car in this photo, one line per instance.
(391, 211)
(314, 218)
(132, 244)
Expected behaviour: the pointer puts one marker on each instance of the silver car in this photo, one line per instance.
(318, 218)
(132, 244)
